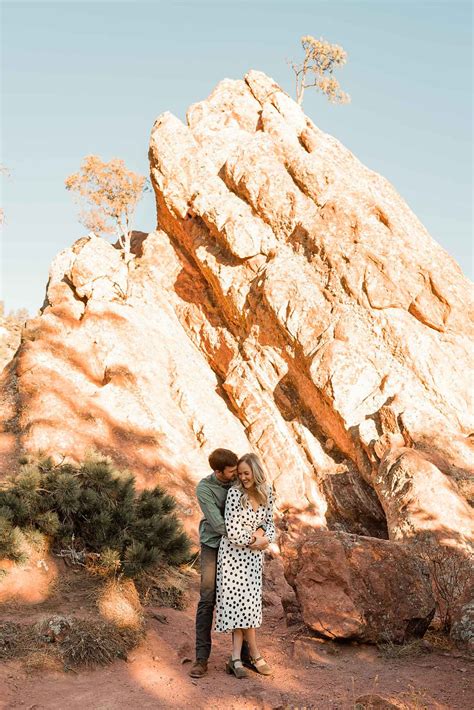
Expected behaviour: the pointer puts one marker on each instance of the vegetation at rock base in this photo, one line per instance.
(93, 515)
(320, 60)
(82, 642)
(452, 576)
(108, 194)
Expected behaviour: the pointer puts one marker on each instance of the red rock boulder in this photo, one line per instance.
(352, 587)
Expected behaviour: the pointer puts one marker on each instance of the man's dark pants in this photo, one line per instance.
(207, 601)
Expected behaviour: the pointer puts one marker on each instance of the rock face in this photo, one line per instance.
(100, 369)
(326, 315)
(289, 302)
(359, 587)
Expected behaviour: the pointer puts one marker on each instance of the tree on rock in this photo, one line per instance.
(320, 60)
(108, 194)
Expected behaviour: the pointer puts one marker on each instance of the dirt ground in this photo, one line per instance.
(308, 673)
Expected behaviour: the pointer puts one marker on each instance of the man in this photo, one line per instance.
(211, 493)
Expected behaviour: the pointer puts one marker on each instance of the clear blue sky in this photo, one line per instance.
(91, 77)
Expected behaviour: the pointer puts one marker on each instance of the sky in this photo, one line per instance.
(91, 77)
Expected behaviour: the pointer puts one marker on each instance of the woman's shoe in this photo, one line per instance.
(236, 667)
(261, 666)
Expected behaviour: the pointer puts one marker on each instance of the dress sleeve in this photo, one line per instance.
(270, 531)
(236, 531)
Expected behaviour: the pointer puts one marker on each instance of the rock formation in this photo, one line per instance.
(367, 589)
(289, 302)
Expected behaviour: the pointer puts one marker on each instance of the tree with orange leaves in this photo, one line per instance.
(320, 60)
(108, 194)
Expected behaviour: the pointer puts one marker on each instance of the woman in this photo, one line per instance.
(248, 515)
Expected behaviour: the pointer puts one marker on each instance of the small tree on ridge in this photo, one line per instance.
(320, 60)
(108, 194)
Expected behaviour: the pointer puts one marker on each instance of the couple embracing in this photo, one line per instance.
(237, 505)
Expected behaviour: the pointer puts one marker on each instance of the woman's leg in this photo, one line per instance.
(251, 638)
(237, 638)
(259, 663)
(236, 666)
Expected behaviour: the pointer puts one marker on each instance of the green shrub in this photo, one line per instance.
(92, 508)
(11, 540)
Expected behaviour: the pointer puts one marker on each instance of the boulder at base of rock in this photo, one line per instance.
(353, 587)
(276, 590)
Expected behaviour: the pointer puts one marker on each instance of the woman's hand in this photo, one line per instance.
(259, 533)
(259, 543)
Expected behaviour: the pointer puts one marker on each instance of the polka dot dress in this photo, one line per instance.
(239, 569)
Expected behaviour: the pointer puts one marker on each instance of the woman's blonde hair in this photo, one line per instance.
(261, 485)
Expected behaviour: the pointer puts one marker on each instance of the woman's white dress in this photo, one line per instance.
(239, 569)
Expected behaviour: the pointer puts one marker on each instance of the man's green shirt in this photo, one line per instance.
(212, 494)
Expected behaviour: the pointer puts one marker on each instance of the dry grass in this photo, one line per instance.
(119, 603)
(92, 643)
(439, 641)
(388, 649)
(415, 698)
(80, 642)
(16, 640)
(43, 661)
(54, 638)
(164, 587)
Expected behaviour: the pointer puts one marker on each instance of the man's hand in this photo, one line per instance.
(259, 543)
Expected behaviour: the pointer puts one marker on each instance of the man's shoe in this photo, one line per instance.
(198, 669)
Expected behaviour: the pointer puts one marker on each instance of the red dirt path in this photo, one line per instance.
(330, 679)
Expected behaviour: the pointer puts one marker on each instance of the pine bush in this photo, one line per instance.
(94, 508)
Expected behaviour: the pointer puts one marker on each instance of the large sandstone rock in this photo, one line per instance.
(359, 587)
(289, 302)
(333, 304)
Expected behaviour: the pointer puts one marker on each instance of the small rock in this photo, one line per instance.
(159, 617)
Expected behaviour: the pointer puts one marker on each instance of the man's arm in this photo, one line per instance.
(210, 510)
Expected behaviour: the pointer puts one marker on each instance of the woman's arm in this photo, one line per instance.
(233, 517)
(270, 532)
(266, 533)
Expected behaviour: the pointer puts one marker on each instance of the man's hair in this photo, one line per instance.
(221, 458)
